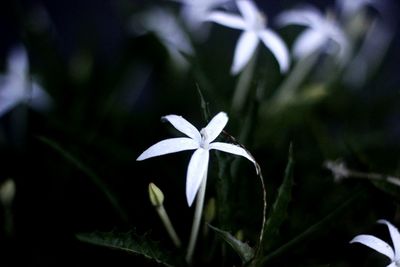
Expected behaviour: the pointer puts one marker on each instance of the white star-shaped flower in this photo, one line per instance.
(252, 22)
(381, 246)
(164, 25)
(17, 87)
(201, 142)
(322, 31)
(350, 8)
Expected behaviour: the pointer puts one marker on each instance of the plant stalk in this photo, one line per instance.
(196, 219)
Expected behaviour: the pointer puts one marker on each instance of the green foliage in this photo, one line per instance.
(245, 252)
(131, 243)
(279, 210)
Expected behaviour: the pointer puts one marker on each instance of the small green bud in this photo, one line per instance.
(156, 195)
(209, 210)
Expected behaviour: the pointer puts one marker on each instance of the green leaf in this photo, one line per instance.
(91, 174)
(281, 204)
(129, 242)
(320, 225)
(245, 252)
(204, 105)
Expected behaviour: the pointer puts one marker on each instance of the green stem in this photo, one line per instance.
(243, 85)
(168, 225)
(196, 219)
(288, 88)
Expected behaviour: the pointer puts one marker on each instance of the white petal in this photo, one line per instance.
(6, 105)
(395, 235)
(196, 170)
(307, 16)
(277, 47)
(215, 126)
(308, 42)
(245, 48)
(10, 95)
(38, 98)
(17, 62)
(376, 244)
(233, 149)
(184, 126)
(393, 264)
(249, 11)
(169, 146)
(229, 20)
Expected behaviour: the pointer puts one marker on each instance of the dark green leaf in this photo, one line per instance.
(281, 204)
(204, 105)
(321, 224)
(245, 252)
(129, 242)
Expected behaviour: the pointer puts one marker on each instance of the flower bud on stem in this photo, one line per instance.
(157, 200)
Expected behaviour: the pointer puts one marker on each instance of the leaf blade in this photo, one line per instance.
(245, 252)
(128, 242)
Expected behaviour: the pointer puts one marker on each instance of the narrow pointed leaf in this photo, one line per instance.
(129, 242)
(204, 104)
(245, 252)
(281, 204)
(321, 225)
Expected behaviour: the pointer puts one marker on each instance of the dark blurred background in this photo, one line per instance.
(110, 89)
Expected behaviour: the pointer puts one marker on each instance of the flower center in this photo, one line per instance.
(260, 22)
(204, 139)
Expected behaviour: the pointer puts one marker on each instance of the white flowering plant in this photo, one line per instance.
(279, 132)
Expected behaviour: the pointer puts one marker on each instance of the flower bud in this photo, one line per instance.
(156, 195)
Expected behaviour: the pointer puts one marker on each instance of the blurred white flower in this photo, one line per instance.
(349, 8)
(195, 13)
(17, 87)
(374, 31)
(252, 22)
(381, 246)
(322, 32)
(164, 25)
(201, 142)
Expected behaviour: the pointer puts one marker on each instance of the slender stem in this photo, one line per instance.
(168, 225)
(264, 217)
(290, 85)
(243, 85)
(340, 171)
(196, 219)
